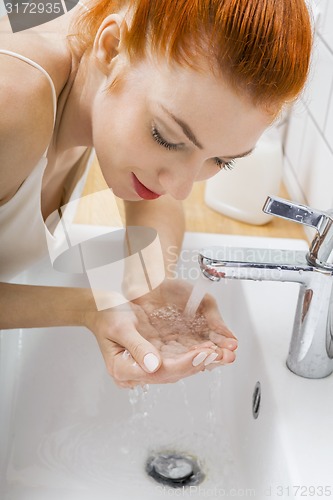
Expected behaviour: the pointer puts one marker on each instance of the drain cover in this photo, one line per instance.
(174, 469)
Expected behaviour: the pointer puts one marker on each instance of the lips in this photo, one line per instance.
(143, 191)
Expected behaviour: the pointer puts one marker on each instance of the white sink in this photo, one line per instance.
(69, 433)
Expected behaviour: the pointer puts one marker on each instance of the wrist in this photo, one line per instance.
(70, 306)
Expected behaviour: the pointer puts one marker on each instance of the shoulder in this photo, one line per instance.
(26, 120)
(25, 95)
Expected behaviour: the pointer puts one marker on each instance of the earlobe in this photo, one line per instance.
(108, 40)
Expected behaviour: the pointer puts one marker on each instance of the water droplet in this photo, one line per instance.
(145, 388)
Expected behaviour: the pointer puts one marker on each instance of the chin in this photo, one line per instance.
(126, 196)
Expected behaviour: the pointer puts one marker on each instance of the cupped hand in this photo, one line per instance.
(122, 333)
(143, 344)
(178, 333)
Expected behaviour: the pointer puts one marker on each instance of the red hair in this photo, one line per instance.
(260, 47)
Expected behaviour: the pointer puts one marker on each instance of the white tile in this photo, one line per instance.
(292, 184)
(2, 9)
(318, 11)
(326, 24)
(295, 134)
(318, 88)
(315, 174)
(329, 123)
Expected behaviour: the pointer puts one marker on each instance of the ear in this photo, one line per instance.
(108, 40)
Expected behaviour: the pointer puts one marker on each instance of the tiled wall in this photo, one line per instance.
(2, 8)
(308, 146)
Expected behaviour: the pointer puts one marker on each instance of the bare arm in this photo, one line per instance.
(28, 306)
(24, 306)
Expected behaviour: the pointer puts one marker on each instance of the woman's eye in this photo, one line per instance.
(163, 142)
(224, 165)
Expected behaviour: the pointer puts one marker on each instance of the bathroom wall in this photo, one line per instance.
(2, 8)
(308, 141)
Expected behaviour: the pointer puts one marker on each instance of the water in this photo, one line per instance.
(179, 330)
(185, 431)
(200, 288)
(178, 333)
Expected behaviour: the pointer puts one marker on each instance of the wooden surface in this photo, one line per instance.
(199, 217)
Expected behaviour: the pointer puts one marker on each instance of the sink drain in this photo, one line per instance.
(174, 470)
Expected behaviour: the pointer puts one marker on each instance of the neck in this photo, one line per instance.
(74, 125)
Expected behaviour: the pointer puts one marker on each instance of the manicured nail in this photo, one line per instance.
(151, 362)
(199, 358)
(210, 358)
(232, 344)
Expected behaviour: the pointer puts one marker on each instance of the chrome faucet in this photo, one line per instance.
(311, 348)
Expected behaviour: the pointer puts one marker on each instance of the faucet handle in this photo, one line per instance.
(321, 249)
(294, 211)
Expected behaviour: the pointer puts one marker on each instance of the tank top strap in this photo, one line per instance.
(37, 66)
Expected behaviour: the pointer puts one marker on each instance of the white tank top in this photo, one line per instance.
(23, 232)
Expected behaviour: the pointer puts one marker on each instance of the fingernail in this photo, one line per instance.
(211, 358)
(151, 362)
(232, 344)
(199, 358)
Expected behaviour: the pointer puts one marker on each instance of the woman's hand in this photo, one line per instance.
(178, 333)
(141, 344)
(130, 347)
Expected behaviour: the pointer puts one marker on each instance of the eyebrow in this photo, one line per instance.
(185, 128)
(191, 136)
(242, 155)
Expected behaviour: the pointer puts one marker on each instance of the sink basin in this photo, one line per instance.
(255, 429)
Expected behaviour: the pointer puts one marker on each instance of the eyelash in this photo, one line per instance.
(175, 147)
(224, 165)
(162, 142)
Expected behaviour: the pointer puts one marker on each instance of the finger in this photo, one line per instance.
(222, 341)
(127, 385)
(174, 369)
(127, 372)
(214, 319)
(143, 352)
(184, 365)
(210, 344)
(225, 357)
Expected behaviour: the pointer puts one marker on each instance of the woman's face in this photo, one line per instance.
(164, 128)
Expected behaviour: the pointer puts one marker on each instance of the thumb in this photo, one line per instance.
(143, 352)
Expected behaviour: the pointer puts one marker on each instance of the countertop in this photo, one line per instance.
(199, 217)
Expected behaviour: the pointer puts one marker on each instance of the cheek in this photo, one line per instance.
(124, 149)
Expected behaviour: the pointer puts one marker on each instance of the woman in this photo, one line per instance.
(167, 93)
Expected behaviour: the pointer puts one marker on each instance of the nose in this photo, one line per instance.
(178, 180)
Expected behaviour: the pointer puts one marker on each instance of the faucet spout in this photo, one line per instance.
(311, 348)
